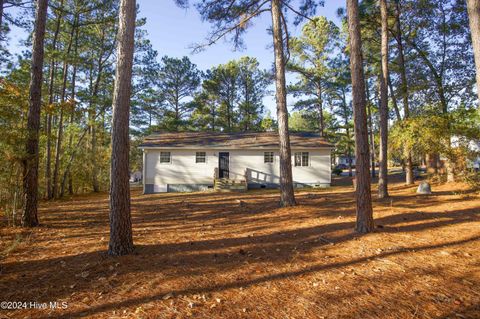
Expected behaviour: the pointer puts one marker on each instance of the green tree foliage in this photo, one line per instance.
(310, 55)
(302, 121)
(217, 102)
(13, 13)
(432, 133)
(251, 83)
(431, 84)
(231, 98)
(13, 112)
(441, 58)
(268, 123)
(179, 79)
(146, 97)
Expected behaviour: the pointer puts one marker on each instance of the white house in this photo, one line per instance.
(345, 160)
(473, 146)
(192, 161)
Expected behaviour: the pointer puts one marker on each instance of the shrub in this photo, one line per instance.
(337, 171)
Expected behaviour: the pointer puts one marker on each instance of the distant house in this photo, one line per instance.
(135, 176)
(194, 161)
(345, 160)
(473, 146)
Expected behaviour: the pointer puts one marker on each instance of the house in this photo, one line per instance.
(194, 161)
(474, 148)
(135, 176)
(345, 160)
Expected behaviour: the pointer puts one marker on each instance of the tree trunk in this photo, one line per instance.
(177, 111)
(58, 146)
(92, 112)
(347, 130)
(30, 162)
(474, 18)
(53, 66)
(1, 19)
(67, 173)
(392, 96)
(95, 185)
(409, 178)
(450, 170)
(70, 161)
(287, 196)
(383, 154)
(229, 119)
(432, 163)
(404, 86)
(121, 240)
(321, 120)
(364, 223)
(371, 133)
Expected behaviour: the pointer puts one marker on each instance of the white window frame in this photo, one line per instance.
(205, 157)
(273, 157)
(169, 157)
(302, 163)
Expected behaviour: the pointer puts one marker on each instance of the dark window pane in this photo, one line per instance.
(268, 157)
(305, 159)
(165, 157)
(200, 157)
(298, 159)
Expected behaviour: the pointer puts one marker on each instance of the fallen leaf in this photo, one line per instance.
(167, 296)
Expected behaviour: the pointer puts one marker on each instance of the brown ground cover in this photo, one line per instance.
(205, 255)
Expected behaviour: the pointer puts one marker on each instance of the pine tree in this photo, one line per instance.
(403, 86)
(179, 79)
(363, 198)
(121, 241)
(30, 163)
(287, 197)
(233, 17)
(383, 159)
(474, 18)
(310, 54)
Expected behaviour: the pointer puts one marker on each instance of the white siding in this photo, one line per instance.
(184, 170)
(181, 170)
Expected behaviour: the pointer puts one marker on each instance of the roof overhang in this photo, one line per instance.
(231, 148)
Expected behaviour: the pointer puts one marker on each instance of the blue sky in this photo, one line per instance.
(173, 30)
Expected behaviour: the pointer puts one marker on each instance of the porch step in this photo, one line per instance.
(229, 185)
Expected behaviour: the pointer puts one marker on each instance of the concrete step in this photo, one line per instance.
(230, 185)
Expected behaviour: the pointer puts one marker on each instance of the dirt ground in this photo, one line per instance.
(205, 255)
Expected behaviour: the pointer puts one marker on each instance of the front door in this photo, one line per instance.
(223, 164)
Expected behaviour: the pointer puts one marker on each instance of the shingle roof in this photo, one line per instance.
(244, 140)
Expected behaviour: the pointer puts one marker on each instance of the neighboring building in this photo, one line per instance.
(473, 146)
(193, 161)
(135, 177)
(345, 160)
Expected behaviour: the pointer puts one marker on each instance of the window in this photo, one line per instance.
(301, 159)
(268, 157)
(200, 157)
(165, 157)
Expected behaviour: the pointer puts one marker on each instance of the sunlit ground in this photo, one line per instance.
(208, 255)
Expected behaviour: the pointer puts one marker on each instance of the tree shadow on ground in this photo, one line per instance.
(208, 238)
(214, 256)
(151, 251)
